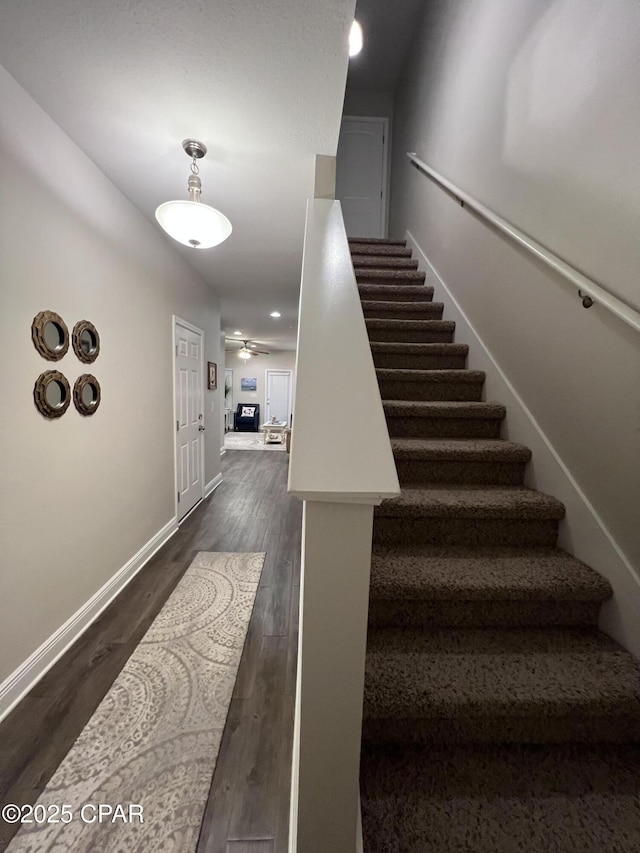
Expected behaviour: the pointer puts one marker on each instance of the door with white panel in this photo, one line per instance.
(361, 175)
(278, 395)
(189, 415)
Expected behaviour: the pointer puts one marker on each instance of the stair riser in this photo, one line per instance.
(404, 311)
(419, 613)
(423, 472)
(409, 361)
(443, 427)
(388, 292)
(391, 389)
(412, 336)
(379, 262)
(541, 728)
(406, 278)
(379, 251)
(376, 241)
(475, 532)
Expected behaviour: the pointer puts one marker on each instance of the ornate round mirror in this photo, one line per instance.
(86, 394)
(86, 341)
(50, 335)
(52, 394)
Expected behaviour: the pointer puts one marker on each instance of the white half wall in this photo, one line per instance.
(83, 495)
(505, 103)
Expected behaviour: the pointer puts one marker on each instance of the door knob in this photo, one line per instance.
(201, 428)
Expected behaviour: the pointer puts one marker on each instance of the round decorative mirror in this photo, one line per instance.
(86, 394)
(52, 394)
(50, 335)
(86, 341)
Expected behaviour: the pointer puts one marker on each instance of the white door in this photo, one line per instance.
(278, 400)
(189, 411)
(361, 175)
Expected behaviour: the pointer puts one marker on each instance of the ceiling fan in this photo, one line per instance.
(247, 349)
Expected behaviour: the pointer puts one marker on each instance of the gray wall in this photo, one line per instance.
(532, 108)
(81, 496)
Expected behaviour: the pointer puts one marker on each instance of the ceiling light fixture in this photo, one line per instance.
(275, 314)
(355, 39)
(191, 222)
(237, 333)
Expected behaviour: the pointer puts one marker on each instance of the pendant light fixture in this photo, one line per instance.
(189, 221)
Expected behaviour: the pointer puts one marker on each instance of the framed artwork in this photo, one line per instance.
(247, 384)
(212, 377)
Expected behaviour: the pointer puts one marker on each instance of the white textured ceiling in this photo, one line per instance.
(260, 82)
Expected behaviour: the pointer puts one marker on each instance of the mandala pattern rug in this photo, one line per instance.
(249, 441)
(154, 739)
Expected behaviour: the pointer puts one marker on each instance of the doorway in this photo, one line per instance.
(189, 415)
(278, 395)
(361, 175)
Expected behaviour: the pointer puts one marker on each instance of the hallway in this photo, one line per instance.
(250, 511)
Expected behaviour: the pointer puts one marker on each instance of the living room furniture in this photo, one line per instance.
(274, 433)
(247, 417)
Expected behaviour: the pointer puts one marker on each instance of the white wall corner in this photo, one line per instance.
(23, 679)
(213, 484)
(583, 532)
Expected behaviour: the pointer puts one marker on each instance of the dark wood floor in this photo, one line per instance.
(248, 806)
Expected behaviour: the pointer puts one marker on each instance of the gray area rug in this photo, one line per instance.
(154, 739)
(249, 441)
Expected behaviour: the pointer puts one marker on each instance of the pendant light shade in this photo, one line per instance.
(189, 221)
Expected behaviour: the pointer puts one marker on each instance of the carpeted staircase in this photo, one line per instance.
(497, 717)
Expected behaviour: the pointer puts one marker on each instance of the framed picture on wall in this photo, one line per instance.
(212, 377)
(247, 384)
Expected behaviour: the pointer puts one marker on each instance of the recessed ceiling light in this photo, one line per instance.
(237, 333)
(275, 314)
(355, 39)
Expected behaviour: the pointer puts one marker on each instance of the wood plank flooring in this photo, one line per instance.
(248, 807)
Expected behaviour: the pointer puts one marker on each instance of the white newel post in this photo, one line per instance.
(334, 595)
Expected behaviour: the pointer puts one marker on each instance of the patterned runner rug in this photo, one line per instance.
(149, 751)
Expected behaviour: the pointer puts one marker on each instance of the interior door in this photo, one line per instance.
(189, 409)
(278, 399)
(361, 175)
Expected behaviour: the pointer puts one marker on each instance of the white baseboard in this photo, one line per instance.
(23, 679)
(212, 485)
(583, 532)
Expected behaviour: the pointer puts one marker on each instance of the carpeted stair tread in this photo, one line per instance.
(520, 798)
(459, 449)
(472, 501)
(382, 262)
(399, 374)
(411, 278)
(377, 241)
(419, 349)
(507, 574)
(418, 309)
(410, 673)
(443, 409)
(410, 331)
(379, 249)
(396, 292)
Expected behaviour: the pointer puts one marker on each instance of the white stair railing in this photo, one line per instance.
(341, 466)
